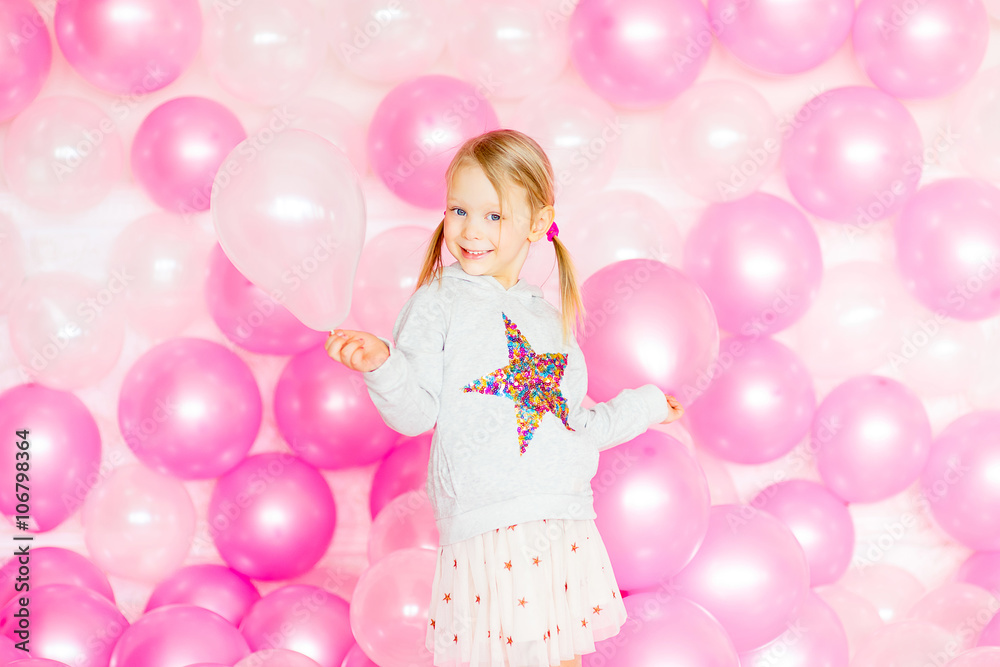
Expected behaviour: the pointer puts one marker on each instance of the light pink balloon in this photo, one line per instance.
(312, 246)
(128, 46)
(214, 587)
(64, 449)
(906, 642)
(277, 657)
(404, 468)
(721, 489)
(325, 414)
(12, 255)
(646, 322)
(27, 54)
(815, 636)
(947, 244)
(781, 37)
(990, 635)
(53, 565)
(978, 657)
(416, 130)
(976, 136)
(820, 522)
(179, 148)
(958, 481)
(759, 261)
(389, 609)
(322, 633)
(871, 436)
(961, 609)
(264, 52)
(406, 522)
(62, 154)
(729, 418)
(641, 487)
(982, 568)
(387, 275)
(859, 617)
(179, 634)
(920, 49)
(720, 140)
(286, 525)
(639, 53)
(67, 621)
(890, 588)
(940, 356)
(855, 155)
(333, 122)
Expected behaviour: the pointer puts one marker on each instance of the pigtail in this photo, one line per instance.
(433, 266)
(571, 301)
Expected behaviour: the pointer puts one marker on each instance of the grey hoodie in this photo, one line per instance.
(512, 442)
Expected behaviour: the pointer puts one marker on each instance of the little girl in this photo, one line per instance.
(523, 577)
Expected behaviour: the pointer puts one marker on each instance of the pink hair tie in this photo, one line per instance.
(553, 230)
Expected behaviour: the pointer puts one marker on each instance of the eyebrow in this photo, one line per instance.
(492, 204)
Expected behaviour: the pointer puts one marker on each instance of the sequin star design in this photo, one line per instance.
(531, 380)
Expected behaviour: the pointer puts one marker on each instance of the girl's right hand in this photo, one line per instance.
(676, 409)
(358, 350)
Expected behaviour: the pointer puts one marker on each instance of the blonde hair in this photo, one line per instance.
(510, 157)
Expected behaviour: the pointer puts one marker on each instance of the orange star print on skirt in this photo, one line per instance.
(528, 595)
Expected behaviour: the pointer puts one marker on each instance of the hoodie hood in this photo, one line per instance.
(521, 288)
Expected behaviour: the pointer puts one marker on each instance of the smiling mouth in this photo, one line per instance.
(475, 255)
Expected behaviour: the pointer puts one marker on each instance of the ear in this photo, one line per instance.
(541, 223)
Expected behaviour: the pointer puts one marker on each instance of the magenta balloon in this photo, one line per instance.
(730, 420)
(758, 259)
(815, 638)
(248, 316)
(750, 573)
(407, 521)
(319, 620)
(416, 130)
(190, 408)
(214, 587)
(920, 49)
(403, 469)
(27, 55)
(982, 568)
(781, 37)
(652, 502)
(179, 148)
(128, 46)
(828, 175)
(947, 244)
(272, 516)
(357, 658)
(8, 653)
(958, 481)
(178, 635)
(639, 53)
(53, 565)
(36, 662)
(871, 436)
(325, 414)
(990, 636)
(67, 621)
(64, 446)
(647, 322)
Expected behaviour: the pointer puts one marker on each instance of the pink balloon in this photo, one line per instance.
(674, 492)
(721, 489)
(859, 617)
(214, 587)
(646, 322)
(312, 247)
(958, 484)
(921, 49)
(933, 252)
(828, 175)
(322, 633)
(727, 419)
(325, 414)
(333, 122)
(872, 437)
(177, 635)
(7, 651)
(891, 589)
(820, 522)
(277, 657)
(53, 565)
(990, 635)
(27, 54)
(128, 46)
(357, 658)
(758, 260)
(781, 37)
(403, 469)
(407, 521)
(416, 130)
(179, 148)
(978, 145)
(272, 516)
(750, 573)
(189, 407)
(36, 662)
(138, 523)
(390, 606)
(961, 609)
(66, 621)
(982, 568)
(639, 69)
(815, 636)
(978, 657)
(12, 257)
(64, 449)
(906, 642)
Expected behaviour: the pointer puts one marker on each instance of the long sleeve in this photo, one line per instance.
(406, 388)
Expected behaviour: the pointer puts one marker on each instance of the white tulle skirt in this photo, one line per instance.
(528, 595)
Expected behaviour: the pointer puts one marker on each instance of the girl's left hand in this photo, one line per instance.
(676, 410)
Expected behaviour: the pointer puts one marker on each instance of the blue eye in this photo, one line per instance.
(458, 210)
(495, 217)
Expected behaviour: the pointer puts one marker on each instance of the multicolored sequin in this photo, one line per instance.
(531, 380)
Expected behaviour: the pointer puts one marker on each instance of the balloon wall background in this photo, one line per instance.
(787, 214)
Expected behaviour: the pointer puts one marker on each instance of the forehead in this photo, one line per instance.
(469, 185)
